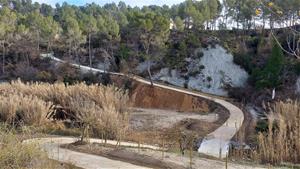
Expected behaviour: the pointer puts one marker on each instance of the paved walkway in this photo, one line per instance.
(88, 161)
(216, 143)
(82, 160)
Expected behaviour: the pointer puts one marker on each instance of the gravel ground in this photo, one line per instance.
(143, 119)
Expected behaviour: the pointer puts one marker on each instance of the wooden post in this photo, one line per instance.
(139, 146)
(226, 162)
(191, 157)
(163, 147)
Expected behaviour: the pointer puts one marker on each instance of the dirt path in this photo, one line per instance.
(162, 119)
(216, 143)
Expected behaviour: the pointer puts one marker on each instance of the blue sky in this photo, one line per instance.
(102, 2)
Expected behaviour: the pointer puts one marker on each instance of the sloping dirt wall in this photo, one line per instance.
(146, 96)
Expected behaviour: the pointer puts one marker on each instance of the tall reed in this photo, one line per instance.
(29, 110)
(281, 143)
(100, 107)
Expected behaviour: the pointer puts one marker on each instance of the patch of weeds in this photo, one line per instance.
(209, 79)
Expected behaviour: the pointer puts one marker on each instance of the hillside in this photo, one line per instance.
(201, 82)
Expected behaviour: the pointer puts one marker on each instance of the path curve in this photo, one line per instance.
(83, 160)
(215, 144)
(52, 146)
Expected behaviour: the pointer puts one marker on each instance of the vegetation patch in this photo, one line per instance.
(94, 108)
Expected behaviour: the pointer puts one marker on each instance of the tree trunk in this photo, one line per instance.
(27, 58)
(38, 41)
(149, 72)
(3, 57)
(48, 47)
(147, 47)
(226, 21)
(90, 53)
(207, 25)
(264, 23)
(82, 134)
(271, 22)
(70, 49)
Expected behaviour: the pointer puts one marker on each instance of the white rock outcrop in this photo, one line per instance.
(170, 76)
(210, 73)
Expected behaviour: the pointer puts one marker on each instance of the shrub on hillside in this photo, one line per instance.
(24, 71)
(243, 60)
(192, 40)
(297, 68)
(43, 76)
(270, 75)
(90, 78)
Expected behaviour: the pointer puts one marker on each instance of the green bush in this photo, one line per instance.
(90, 78)
(243, 60)
(176, 55)
(270, 75)
(200, 54)
(123, 52)
(262, 126)
(208, 78)
(297, 68)
(193, 41)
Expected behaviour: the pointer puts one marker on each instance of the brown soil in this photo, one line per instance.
(124, 155)
(169, 136)
(151, 97)
(146, 96)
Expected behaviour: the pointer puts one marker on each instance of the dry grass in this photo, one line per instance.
(16, 108)
(282, 141)
(99, 108)
(16, 155)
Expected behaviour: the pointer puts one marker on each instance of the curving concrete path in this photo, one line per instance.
(83, 160)
(215, 144)
(88, 161)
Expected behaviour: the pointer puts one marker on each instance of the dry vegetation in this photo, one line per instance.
(97, 108)
(28, 109)
(282, 141)
(16, 155)
(279, 143)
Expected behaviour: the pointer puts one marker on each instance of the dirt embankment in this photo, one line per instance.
(146, 96)
(161, 101)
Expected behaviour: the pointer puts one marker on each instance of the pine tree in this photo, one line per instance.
(269, 77)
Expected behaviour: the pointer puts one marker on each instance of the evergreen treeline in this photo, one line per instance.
(27, 26)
